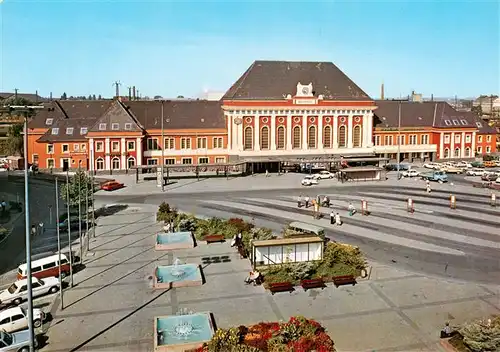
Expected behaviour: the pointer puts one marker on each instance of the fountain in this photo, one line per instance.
(178, 333)
(175, 240)
(177, 275)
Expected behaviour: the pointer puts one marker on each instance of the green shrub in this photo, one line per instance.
(482, 335)
(303, 270)
(166, 213)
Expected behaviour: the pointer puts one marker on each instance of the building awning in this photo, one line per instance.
(360, 169)
(306, 226)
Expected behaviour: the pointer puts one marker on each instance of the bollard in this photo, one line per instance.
(410, 206)
(493, 199)
(364, 207)
(453, 202)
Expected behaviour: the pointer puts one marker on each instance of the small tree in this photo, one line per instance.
(79, 185)
(14, 144)
(482, 335)
(64, 96)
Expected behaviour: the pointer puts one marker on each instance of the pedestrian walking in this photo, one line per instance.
(40, 225)
(332, 217)
(267, 173)
(338, 222)
(33, 230)
(299, 201)
(306, 200)
(428, 188)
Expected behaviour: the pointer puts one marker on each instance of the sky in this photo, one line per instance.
(172, 48)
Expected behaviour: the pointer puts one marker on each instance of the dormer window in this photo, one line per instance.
(69, 130)
(447, 122)
(479, 125)
(55, 131)
(83, 130)
(128, 126)
(456, 123)
(49, 121)
(115, 126)
(102, 127)
(464, 122)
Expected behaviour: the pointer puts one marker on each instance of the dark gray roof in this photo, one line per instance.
(188, 114)
(420, 114)
(274, 80)
(66, 130)
(483, 126)
(35, 98)
(117, 119)
(84, 108)
(47, 117)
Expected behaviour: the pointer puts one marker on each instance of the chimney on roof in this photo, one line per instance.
(129, 93)
(50, 96)
(36, 96)
(382, 92)
(432, 97)
(138, 95)
(133, 93)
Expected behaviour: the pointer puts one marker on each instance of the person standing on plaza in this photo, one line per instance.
(338, 222)
(428, 187)
(299, 201)
(306, 201)
(332, 217)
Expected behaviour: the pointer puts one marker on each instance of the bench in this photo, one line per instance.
(312, 283)
(214, 238)
(281, 287)
(344, 280)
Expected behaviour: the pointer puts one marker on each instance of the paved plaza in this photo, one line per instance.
(113, 304)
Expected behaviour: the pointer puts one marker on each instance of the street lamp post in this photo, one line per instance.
(25, 110)
(69, 231)
(80, 215)
(399, 137)
(87, 212)
(59, 245)
(93, 204)
(162, 149)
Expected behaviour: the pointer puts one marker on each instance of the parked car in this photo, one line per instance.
(411, 173)
(453, 170)
(15, 319)
(16, 341)
(111, 186)
(463, 165)
(17, 292)
(46, 267)
(431, 165)
(324, 174)
(74, 223)
(309, 181)
(477, 164)
(474, 172)
(489, 164)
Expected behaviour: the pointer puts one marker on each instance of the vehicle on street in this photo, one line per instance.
(489, 177)
(74, 223)
(45, 267)
(497, 180)
(489, 164)
(437, 176)
(431, 165)
(477, 164)
(474, 172)
(111, 186)
(463, 165)
(324, 174)
(410, 173)
(17, 292)
(16, 341)
(453, 170)
(15, 319)
(309, 181)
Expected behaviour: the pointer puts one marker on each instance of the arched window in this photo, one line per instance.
(457, 153)
(264, 137)
(248, 138)
(467, 152)
(130, 162)
(297, 137)
(99, 164)
(342, 137)
(446, 153)
(327, 137)
(311, 137)
(356, 136)
(115, 163)
(281, 137)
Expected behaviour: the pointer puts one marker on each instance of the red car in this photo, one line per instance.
(111, 186)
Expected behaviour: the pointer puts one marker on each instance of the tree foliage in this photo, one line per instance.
(482, 335)
(80, 186)
(14, 143)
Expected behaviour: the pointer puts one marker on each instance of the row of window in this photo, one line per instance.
(467, 152)
(412, 139)
(115, 146)
(69, 130)
(77, 147)
(185, 143)
(312, 140)
(186, 161)
(115, 126)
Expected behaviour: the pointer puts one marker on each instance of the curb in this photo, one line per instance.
(12, 228)
(447, 346)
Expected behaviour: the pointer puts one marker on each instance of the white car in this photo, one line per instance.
(434, 166)
(463, 165)
(474, 172)
(14, 319)
(411, 173)
(324, 175)
(309, 181)
(17, 292)
(497, 180)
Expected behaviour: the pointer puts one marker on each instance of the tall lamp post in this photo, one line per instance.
(162, 149)
(399, 135)
(59, 245)
(69, 231)
(87, 213)
(80, 214)
(25, 110)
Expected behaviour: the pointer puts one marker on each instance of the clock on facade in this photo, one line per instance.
(305, 90)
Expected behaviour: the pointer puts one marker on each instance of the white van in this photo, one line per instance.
(45, 267)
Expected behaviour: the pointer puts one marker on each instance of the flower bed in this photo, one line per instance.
(479, 336)
(297, 335)
(338, 260)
